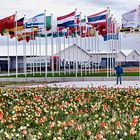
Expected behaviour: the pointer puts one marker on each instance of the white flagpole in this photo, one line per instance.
(88, 49)
(98, 51)
(111, 40)
(107, 42)
(24, 50)
(92, 50)
(33, 55)
(52, 48)
(76, 47)
(81, 62)
(36, 55)
(73, 54)
(113, 36)
(110, 46)
(31, 63)
(95, 70)
(85, 50)
(16, 44)
(59, 45)
(115, 43)
(69, 50)
(40, 51)
(46, 49)
(64, 55)
(8, 55)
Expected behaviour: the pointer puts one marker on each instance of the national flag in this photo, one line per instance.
(28, 34)
(66, 20)
(36, 21)
(113, 36)
(99, 21)
(97, 18)
(20, 26)
(77, 19)
(7, 23)
(48, 22)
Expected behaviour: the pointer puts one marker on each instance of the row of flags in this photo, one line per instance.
(67, 25)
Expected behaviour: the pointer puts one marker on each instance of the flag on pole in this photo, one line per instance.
(48, 22)
(7, 23)
(112, 36)
(66, 20)
(97, 18)
(129, 19)
(20, 26)
(99, 21)
(36, 21)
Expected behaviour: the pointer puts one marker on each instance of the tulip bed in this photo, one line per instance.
(70, 114)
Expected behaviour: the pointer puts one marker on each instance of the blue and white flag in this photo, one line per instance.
(97, 18)
(36, 21)
(113, 36)
(66, 20)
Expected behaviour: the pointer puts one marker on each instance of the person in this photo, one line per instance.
(119, 72)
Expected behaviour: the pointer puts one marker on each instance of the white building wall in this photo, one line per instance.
(120, 57)
(133, 56)
(70, 54)
(98, 57)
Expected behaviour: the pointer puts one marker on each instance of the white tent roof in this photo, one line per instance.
(126, 52)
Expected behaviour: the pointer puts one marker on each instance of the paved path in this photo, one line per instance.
(84, 84)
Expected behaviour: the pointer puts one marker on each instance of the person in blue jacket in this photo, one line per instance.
(119, 72)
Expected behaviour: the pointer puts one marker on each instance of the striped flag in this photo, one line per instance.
(36, 21)
(98, 18)
(66, 20)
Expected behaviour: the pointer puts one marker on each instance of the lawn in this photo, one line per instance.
(98, 74)
(69, 114)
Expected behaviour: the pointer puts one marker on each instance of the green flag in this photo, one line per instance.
(48, 22)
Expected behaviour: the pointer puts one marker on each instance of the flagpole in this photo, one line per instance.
(111, 44)
(95, 52)
(85, 50)
(24, 49)
(80, 44)
(73, 55)
(88, 37)
(31, 63)
(59, 45)
(107, 42)
(113, 36)
(33, 54)
(92, 50)
(46, 49)
(98, 52)
(114, 43)
(16, 45)
(40, 52)
(64, 55)
(52, 49)
(36, 54)
(8, 55)
(69, 50)
(76, 47)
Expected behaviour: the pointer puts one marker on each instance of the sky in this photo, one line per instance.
(30, 8)
(62, 7)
